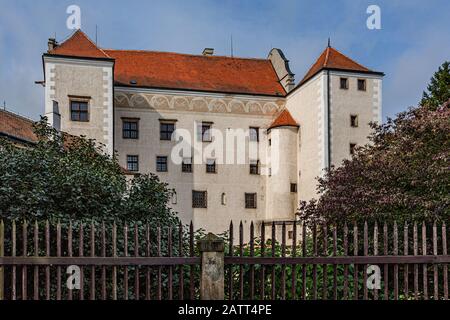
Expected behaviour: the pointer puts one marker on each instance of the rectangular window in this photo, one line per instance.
(354, 121)
(290, 235)
(161, 164)
(206, 132)
(165, 130)
(293, 187)
(79, 111)
(254, 166)
(133, 163)
(199, 199)
(130, 128)
(254, 134)
(211, 166)
(361, 84)
(270, 142)
(186, 165)
(344, 83)
(250, 200)
(352, 148)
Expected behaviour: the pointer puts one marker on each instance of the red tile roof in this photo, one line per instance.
(180, 71)
(333, 59)
(16, 127)
(79, 45)
(284, 119)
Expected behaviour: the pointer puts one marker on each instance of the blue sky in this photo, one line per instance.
(413, 42)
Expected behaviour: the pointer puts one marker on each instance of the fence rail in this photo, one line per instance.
(279, 261)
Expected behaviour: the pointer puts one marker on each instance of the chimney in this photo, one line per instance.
(52, 44)
(208, 51)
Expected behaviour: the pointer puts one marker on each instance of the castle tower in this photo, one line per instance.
(79, 89)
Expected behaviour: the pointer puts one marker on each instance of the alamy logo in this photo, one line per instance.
(374, 20)
(73, 281)
(73, 22)
(374, 279)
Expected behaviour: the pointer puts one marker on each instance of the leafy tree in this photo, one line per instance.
(403, 174)
(64, 177)
(439, 88)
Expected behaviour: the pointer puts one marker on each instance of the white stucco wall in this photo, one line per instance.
(85, 78)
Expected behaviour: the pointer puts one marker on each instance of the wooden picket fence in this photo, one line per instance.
(140, 261)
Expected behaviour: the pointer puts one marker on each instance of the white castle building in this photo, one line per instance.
(133, 101)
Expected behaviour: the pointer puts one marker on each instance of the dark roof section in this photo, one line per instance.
(16, 127)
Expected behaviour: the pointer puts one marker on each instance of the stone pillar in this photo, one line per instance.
(212, 268)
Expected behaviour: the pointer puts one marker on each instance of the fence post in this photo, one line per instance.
(212, 268)
(2, 253)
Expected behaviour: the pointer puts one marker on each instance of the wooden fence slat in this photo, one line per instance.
(366, 253)
(14, 268)
(241, 267)
(314, 270)
(24, 253)
(191, 253)
(356, 267)
(304, 271)
(148, 281)
(103, 255)
(435, 266)
(252, 267)
(294, 267)
(386, 267)
(58, 268)
(36, 268)
(375, 252)
(69, 253)
(230, 272)
(283, 266)
(180, 254)
(81, 254)
(424, 266)
(136, 269)
(2, 253)
(445, 268)
(125, 253)
(444, 252)
(114, 268)
(335, 280)
(405, 267)
(158, 246)
(324, 266)
(273, 240)
(263, 268)
(395, 265)
(47, 254)
(169, 249)
(416, 266)
(345, 293)
(92, 243)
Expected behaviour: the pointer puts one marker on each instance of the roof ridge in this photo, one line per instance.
(17, 115)
(79, 31)
(327, 56)
(350, 59)
(186, 54)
